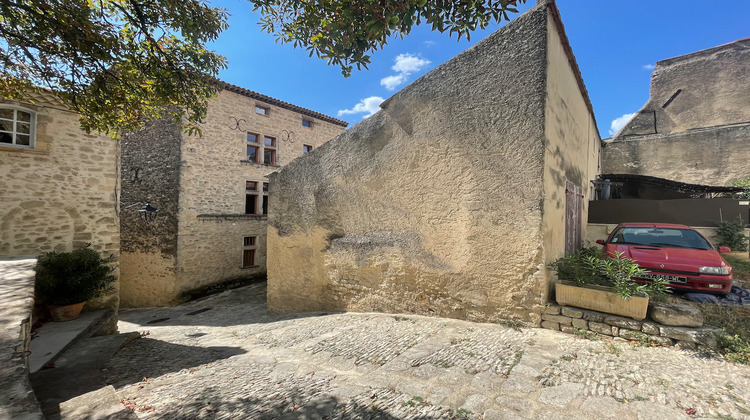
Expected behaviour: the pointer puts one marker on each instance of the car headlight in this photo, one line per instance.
(719, 271)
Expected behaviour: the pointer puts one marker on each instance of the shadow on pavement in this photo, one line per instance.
(163, 358)
(294, 404)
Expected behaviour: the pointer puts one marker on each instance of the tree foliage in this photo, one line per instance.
(116, 62)
(344, 32)
(121, 62)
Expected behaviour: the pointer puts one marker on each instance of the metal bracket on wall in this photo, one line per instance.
(237, 123)
(288, 136)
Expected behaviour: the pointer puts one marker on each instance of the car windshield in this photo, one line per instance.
(661, 237)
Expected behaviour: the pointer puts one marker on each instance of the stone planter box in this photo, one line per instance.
(601, 299)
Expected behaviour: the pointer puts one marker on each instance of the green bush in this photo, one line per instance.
(65, 278)
(745, 183)
(592, 266)
(732, 235)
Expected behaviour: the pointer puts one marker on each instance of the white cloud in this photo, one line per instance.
(391, 82)
(648, 67)
(620, 122)
(405, 65)
(369, 105)
(429, 43)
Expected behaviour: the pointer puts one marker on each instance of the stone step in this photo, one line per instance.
(77, 379)
(53, 338)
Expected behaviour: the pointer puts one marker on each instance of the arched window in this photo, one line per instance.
(17, 126)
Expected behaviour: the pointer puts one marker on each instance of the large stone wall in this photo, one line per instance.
(60, 194)
(198, 185)
(695, 127)
(212, 181)
(434, 204)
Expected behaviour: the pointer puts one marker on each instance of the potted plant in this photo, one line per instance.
(590, 279)
(65, 281)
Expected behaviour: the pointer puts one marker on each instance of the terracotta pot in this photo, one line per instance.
(62, 313)
(600, 299)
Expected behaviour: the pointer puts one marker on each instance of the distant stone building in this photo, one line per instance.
(695, 128)
(59, 184)
(451, 200)
(211, 193)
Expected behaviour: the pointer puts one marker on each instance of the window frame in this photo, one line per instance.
(252, 191)
(305, 148)
(309, 123)
(249, 249)
(15, 121)
(272, 148)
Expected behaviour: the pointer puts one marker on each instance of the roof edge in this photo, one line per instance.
(281, 104)
(707, 51)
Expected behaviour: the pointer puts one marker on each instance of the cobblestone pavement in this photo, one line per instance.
(223, 357)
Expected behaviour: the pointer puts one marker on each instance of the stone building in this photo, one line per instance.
(59, 184)
(450, 200)
(211, 192)
(695, 127)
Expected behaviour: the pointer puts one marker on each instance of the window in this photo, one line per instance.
(251, 197)
(265, 150)
(248, 251)
(252, 147)
(265, 198)
(17, 127)
(261, 110)
(306, 148)
(307, 123)
(269, 150)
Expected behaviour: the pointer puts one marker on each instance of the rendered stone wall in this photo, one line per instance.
(198, 185)
(695, 127)
(60, 195)
(714, 156)
(572, 141)
(434, 204)
(714, 87)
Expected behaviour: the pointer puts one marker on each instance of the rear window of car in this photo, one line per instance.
(663, 237)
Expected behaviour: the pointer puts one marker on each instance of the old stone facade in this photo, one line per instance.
(695, 128)
(451, 199)
(59, 184)
(211, 192)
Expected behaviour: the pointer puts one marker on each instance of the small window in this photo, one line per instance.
(265, 187)
(251, 185)
(249, 241)
(306, 148)
(261, 110)
(264, 203)
(248, 257)
(307, 123)
(17, 127)
(269, 141)
(252, 138)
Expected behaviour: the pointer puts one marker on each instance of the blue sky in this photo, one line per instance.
(616, 43)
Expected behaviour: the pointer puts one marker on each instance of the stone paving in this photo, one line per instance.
(235, 361)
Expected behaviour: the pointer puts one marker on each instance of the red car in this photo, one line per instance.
(676, 253)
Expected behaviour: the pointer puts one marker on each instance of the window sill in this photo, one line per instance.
(233, 216)
(260, 164)
(5, 147)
